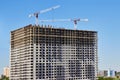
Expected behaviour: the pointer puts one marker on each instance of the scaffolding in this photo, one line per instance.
(44, 52)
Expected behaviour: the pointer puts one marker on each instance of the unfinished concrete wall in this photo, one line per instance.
(43, 52)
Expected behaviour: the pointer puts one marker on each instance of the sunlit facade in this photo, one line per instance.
(6, 71)
(47, 53)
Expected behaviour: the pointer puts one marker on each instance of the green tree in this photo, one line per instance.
(4, 78)
(108, 78)
(100, 78)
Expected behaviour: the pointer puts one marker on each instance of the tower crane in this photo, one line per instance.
(64, 20)
(36, 14)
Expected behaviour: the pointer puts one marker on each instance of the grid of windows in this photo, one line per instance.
(53, 54)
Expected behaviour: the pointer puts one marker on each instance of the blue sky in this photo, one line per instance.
(103, 15)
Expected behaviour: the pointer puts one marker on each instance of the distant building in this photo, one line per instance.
(107, 73)
(112, 73)
(0, 76)
(6, 71)
(117, 73)
(46, 53)
(103, 73)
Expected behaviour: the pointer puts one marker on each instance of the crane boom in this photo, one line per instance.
(55, 20)
(65, 20)
(49, 9)
(36, 14)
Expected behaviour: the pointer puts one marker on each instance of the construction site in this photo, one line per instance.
(47, 53)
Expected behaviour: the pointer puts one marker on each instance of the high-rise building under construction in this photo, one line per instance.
(47, 53)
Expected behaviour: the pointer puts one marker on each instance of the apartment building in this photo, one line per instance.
(47, 53)
(6, 71)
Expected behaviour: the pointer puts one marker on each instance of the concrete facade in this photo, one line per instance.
(6, 71)
(46, 53)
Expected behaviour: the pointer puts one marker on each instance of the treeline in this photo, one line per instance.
(107, 78)
(4, 78)
(99, 78)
